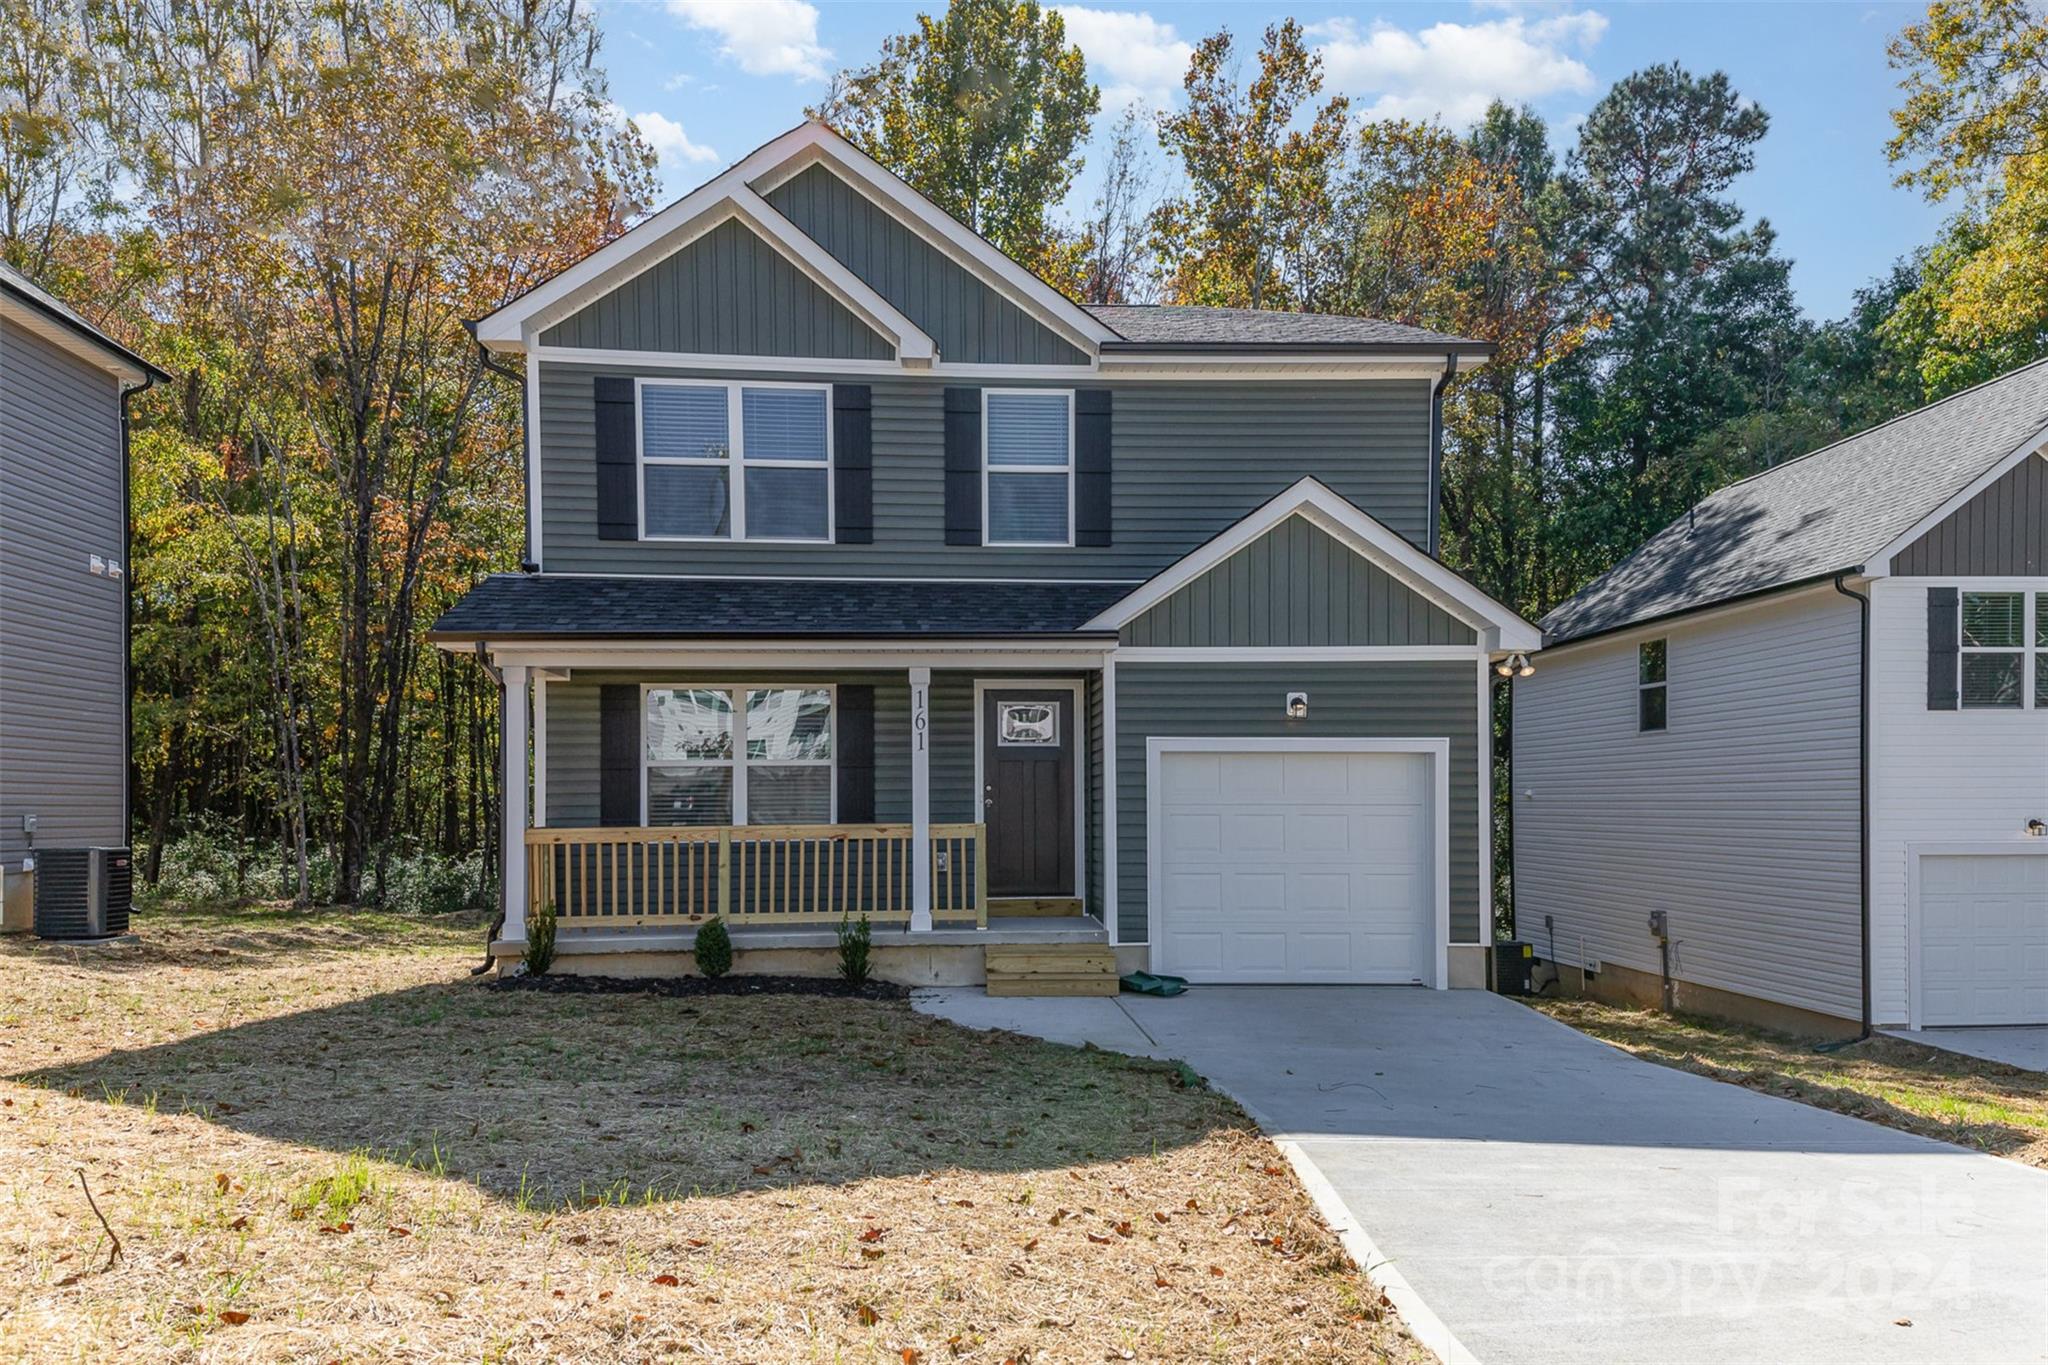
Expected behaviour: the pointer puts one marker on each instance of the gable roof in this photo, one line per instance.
(1121, 330)
(49, 317)
(1360, 532)
(1844, 508)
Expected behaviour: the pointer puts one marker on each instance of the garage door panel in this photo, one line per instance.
(1983, 939)
(1296, 866)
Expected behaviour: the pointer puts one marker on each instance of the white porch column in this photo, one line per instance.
(512, 780)
(920, 799)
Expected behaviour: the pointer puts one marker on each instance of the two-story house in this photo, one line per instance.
(871, 575)
(64, 390)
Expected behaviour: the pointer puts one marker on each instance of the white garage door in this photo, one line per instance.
(1295, 866)
(1984, 939)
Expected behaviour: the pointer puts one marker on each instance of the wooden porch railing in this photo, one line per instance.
(756, 875)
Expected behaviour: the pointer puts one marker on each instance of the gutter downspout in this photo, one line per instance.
(128, 618)
(526, 564)
(1436, 447)
(1862, 789)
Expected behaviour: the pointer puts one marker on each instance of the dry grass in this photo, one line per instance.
(1987, 1105)
(318, 1121)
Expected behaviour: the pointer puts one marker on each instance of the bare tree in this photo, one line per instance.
(1119, 266)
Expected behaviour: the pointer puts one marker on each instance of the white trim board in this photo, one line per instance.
(1305, 654)
(1079, 691)
(1312, 500)
(1233, 365)
(1438, 749)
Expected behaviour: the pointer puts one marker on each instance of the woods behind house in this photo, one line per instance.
(294, 207)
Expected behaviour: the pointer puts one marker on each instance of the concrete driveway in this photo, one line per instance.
(2019, 1045)
(1546, 1197)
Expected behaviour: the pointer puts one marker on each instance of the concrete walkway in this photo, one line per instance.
(2022, 1046)
(1545, 1197)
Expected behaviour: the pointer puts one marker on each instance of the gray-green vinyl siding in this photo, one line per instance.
(1296, 586)
(970, 322)
(1219, 701)
(1189, 460)
(727, 293)
(63, 656)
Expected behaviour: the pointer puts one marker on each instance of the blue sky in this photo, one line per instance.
(708, 80)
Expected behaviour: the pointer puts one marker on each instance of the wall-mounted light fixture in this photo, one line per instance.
(1515, 666)
(2036, 829)
(1297, 706)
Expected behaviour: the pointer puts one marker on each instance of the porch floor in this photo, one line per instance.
(1005, 930)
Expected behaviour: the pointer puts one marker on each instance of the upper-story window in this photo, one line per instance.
(1028, 468)
(1652, 698)
(733, 461)
(2004, 648)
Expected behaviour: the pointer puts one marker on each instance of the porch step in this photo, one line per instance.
(1035, 906)
(1051, 969)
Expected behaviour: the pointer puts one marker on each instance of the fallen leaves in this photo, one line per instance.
(666, 1281)
(233, 1317)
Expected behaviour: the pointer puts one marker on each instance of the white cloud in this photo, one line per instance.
(1453, 71)
(671, 143)
(1131, 55)
(766, 37)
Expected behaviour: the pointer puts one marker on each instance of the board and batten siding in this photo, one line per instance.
(1296, 586)
(1741, 820)
(1189, 460)
(727, 293)
(1396, 700)
(970, 323)
(63, 653)
(2002, 530)
(1957, 777)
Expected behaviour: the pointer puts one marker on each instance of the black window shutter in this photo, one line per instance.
(963, 466)
(618, 481)
(856, 740)
(1944, 643)
(618, 791)
(853, 464)
(1091, 467)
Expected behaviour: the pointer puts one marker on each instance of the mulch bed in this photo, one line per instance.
(679, 986)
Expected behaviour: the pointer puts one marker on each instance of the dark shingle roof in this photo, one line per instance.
(1164, 326)
(1823, 513)
(528, 606)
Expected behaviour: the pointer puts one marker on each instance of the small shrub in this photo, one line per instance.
(540, 943)
(714, 948)
(426, 883)
(855, 941)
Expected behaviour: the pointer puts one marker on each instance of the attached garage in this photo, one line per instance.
(1982, 938)
(1311, 860)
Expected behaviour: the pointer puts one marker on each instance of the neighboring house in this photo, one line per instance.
(63, 580)
(1693, 740)
(870, 573)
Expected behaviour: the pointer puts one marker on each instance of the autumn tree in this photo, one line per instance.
(1115, 262)
(983, 110)
(1253, 228)
(1973, 130)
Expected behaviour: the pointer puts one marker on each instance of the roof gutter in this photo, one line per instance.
(1862, 789)
(1436, 449)
(490, 362)
(1739, 599)
(1430, 351)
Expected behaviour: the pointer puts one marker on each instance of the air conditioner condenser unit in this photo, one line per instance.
(82, 893)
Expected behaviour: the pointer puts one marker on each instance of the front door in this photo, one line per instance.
(1027, 794)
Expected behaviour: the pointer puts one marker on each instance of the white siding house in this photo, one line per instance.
(1841, 813)
(1738, 819)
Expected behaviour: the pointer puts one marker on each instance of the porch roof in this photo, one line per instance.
(507, 607)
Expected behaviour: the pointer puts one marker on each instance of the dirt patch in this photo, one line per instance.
(1985, 1105)
(322, 1148)
(686, 987)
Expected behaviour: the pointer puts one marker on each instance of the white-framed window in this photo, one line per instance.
(1653, 701)
(735, 460)
(2002, 662)
(753, 754)
(1027, 466)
